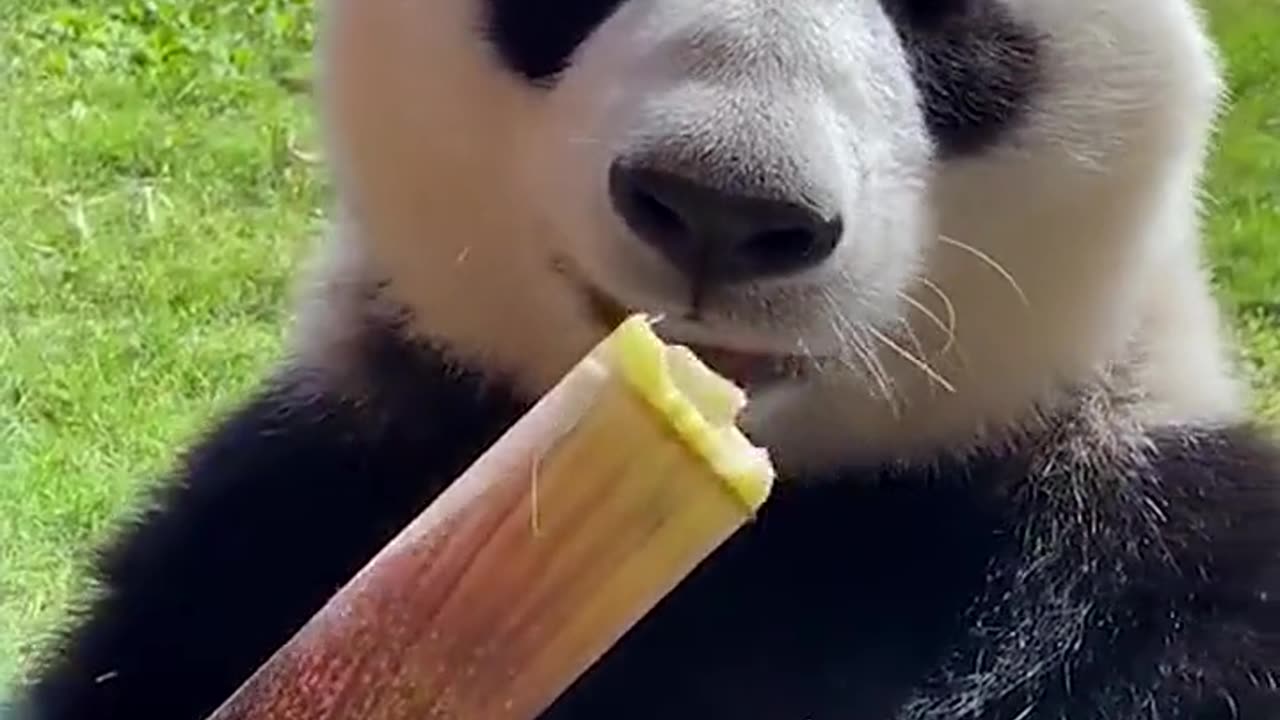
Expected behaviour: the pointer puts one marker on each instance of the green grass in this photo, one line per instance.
(152, 211)
(1244, 187)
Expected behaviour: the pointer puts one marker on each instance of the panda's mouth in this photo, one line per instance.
(745, 367)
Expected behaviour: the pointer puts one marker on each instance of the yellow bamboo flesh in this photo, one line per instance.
(537, 559)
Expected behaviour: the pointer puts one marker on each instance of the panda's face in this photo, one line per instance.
(836, 200)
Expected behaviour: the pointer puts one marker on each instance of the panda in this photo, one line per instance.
(951, 249)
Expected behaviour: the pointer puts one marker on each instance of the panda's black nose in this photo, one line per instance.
(715, 235)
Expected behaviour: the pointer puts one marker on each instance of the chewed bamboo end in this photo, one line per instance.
(700, 405)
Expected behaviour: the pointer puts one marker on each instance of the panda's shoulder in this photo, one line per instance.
(1220, 486)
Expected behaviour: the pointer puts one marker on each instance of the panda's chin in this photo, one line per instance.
(749, 368)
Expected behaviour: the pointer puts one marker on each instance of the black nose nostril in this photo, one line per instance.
(714, 234)
(649, 210)
(790, 248)
(638, 197)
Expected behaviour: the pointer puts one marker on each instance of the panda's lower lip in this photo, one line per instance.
(747, 368)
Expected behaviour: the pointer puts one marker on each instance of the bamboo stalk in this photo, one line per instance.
(539, 557)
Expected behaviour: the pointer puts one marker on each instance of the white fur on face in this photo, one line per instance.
(817, 103)
(464, 185)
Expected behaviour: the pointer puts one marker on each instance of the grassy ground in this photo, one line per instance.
(151, 208)
(1244, 186)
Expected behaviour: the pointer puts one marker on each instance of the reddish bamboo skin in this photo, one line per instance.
(479, 611)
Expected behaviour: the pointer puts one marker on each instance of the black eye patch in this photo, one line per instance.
(977, 69)
(536, 38)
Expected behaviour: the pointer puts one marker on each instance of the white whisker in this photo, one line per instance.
(915, 344)
(847, 331)
(990, 262)
(932, 317)
(876, 368)
(946, 303)
(920, 364)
